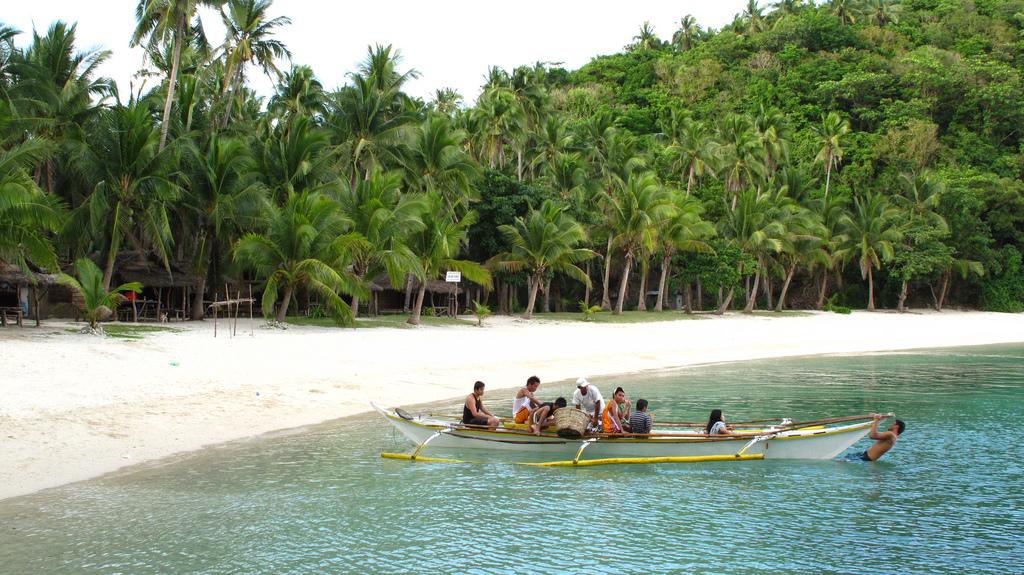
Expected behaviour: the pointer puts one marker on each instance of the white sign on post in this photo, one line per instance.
(453, 277)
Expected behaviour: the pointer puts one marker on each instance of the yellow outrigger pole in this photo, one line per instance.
(741, 455)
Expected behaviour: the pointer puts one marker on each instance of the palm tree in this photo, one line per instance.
(223, 198)
(919, 198)
(830, 139)
(299, 92)
(367, 124)
(27, 215)
(687, 32)
(684, 230)
(754, 16)
(446, 101)
(693, 151)
(163, 22)
(248, 41)
(881, 12)
(98, 299)
(381, 220)
(295, 157)
(845, 10)
(870, 230)
(435, 162)
(57, 93)
(544, 241)
(502, 120)
(437, 247)
(740, 155)
(646, 39)
(757, 230)
(298, 248)
(634, 211)
(132, 185)
(788, 7)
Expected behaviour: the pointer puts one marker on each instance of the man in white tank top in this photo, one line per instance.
(525, 401)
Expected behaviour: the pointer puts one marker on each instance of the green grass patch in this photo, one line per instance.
(134, 331)
(394, 321)
(626, 317)
(781, 313)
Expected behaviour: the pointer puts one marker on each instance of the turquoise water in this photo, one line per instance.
(947, 499)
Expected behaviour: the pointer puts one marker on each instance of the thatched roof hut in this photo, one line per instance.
(149, 270)
(14, 276)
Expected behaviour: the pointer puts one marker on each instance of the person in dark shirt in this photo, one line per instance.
(474, 412)
(641, 421)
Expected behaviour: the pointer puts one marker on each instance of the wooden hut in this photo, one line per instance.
(166, 289)
(386, 298)
(22, 295)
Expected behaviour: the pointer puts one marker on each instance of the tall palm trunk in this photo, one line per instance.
(767, 283)
(417, 307)
(534, 286)
(624, 284)
(871, 290)
(942, 292)
(689, 179)
(197, 299)
(408, 293)
(172, 80)
(282, 311)
(828, 175)
(752, 300)
(586, 288)
(725, 302)
(700, 295)
(642, 303)
(824, 289)
(903, 297)
(666, 261)
(606, 298)
(547, 296)
(785, 288)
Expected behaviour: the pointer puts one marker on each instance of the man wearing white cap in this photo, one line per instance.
(588, 398)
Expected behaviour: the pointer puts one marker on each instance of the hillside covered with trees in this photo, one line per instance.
(867, 154)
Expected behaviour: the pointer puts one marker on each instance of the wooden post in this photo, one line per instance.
(252, 324)
(35, 299)
(214, 306)
(159, 302)
(238, 304)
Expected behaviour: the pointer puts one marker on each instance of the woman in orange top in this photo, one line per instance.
(611, 419)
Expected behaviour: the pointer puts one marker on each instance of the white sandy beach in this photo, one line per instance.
(76, 406)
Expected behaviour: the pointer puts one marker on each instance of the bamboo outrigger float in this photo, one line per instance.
(818, 439)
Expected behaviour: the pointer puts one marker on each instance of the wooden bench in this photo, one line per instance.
(12, 312)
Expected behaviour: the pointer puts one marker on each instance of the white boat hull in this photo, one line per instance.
(794, 444)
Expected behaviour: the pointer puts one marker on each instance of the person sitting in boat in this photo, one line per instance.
(611, 418)
(884, 441)
(716, 424)
(588, 398)
(641, 421)
(626, 411)
(474, 412)
(524, 401)
(543, 415)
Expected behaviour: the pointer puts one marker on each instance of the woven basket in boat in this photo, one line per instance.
(571, 422)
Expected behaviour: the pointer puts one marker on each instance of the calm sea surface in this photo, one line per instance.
(948, 499)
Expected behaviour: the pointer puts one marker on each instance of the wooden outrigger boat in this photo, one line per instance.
(819, 439)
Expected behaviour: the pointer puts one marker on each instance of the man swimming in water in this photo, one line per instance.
(884, 440)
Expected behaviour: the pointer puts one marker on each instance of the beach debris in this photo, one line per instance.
(175, 363)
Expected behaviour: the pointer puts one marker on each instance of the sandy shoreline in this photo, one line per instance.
(76, 406)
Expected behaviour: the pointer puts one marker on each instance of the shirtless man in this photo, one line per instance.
(525, 402)
(884, 440)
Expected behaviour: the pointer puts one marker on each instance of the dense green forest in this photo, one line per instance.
(852, 153)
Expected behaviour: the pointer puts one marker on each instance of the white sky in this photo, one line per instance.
(450, 43)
